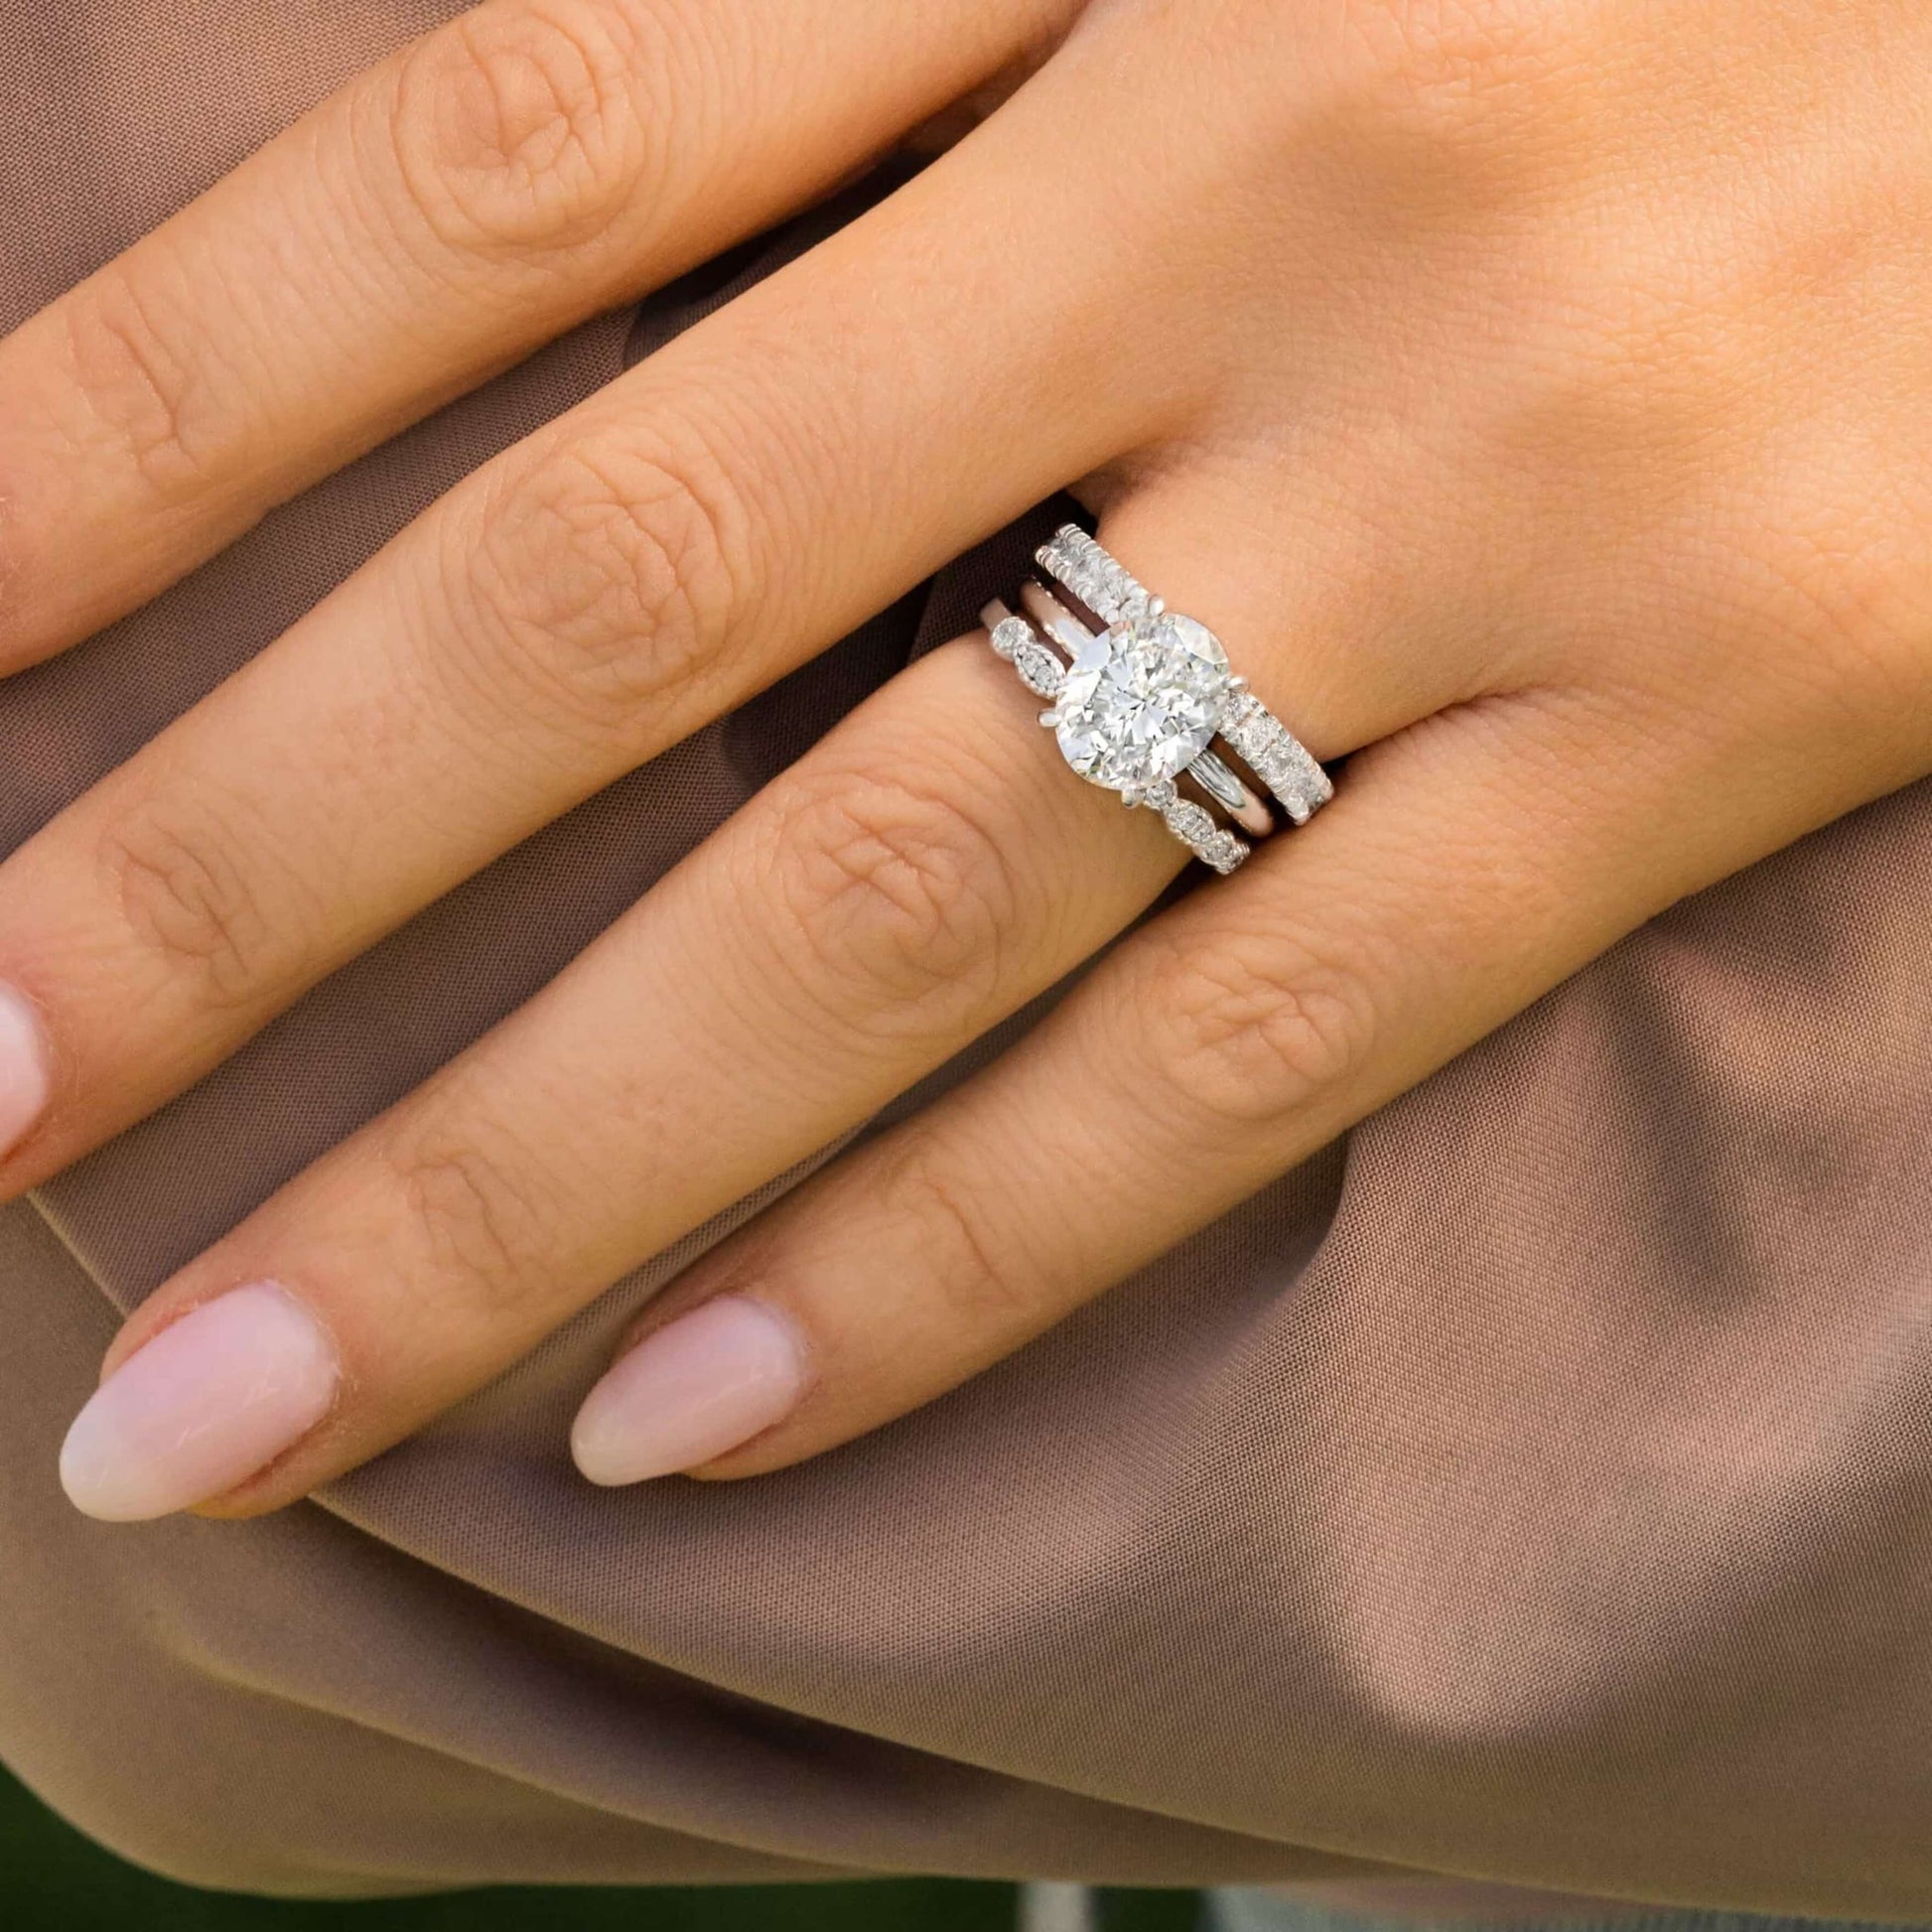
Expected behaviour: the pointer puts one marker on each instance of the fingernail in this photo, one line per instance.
(23, 1083)
(212, 1399)
(700, 1386)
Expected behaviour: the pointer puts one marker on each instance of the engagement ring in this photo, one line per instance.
(1143, 701)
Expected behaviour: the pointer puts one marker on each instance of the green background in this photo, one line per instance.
(53, 1878)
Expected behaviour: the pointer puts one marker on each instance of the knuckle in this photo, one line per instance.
(983, 1293)
(468, 1195)
(190, 897)
(1255, 1028)
(902, 896)
(1842, 581)
(522, 128)
(1451, 75)
(605, 583)
(156, 402)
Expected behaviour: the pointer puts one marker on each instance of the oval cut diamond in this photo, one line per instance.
(1142, 701)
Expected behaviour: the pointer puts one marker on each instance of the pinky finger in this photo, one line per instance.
(1455, 879)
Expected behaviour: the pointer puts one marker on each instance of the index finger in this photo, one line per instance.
(466, 200)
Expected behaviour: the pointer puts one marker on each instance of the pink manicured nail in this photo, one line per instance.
(709, 1381)
(23, 1069)
(212, 1399)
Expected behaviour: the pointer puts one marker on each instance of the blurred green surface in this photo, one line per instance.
(53, 1880)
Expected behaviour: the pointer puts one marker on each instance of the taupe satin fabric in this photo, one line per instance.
(1538, 1488)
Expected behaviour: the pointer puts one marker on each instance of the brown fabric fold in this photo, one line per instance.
(1537, 1489)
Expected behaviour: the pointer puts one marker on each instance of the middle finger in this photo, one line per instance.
(700, 526)
(899, 891)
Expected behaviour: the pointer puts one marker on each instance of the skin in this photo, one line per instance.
(1532, 392)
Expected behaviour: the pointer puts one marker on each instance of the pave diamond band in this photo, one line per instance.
(1139, 696)
(1276, 758)
(1078, 564)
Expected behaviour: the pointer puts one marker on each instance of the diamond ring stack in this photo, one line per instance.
(1143, 701)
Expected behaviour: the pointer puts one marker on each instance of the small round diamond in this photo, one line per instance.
(1142, 701)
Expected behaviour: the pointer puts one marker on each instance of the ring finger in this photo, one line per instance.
(1467, 864)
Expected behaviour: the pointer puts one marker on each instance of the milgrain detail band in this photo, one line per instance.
(1014, 639)
(1138, 694)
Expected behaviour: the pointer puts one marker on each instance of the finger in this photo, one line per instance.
(725, 509)
(526, 166)
(916, 877)
(1464, 866)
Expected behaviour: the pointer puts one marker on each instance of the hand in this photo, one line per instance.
(1531, 392)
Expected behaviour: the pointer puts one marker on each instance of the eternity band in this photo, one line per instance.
(1144, 702)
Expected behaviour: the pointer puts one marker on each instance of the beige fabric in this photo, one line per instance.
(1537, 1489)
